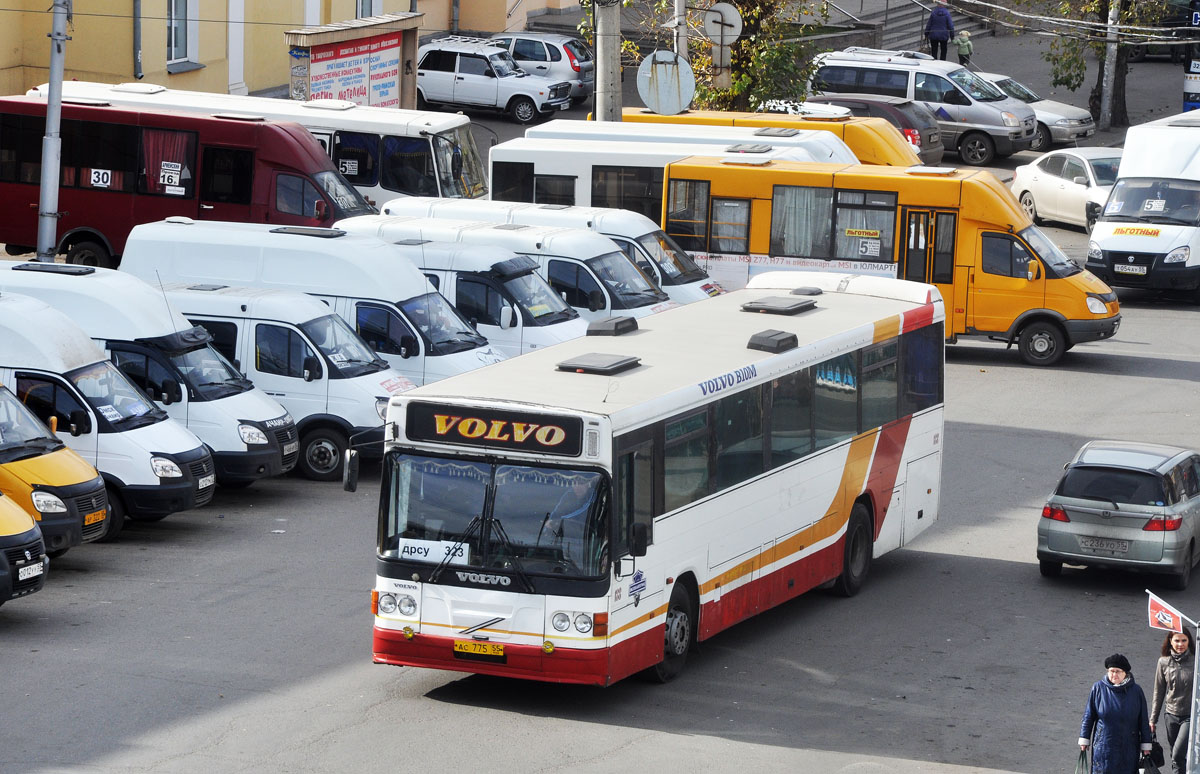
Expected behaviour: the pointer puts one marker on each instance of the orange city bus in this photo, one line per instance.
(960, 230)
(125, 166)
(577, 517)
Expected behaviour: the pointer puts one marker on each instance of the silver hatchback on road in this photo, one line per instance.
(1133, 506)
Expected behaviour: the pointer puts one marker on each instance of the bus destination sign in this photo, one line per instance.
(542, 433)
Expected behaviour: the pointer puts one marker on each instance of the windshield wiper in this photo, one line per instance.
(1168, 220)
(498, 529)
(437, 571)
(1122, 218)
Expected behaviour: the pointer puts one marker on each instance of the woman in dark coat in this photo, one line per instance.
(1116, 723)
(939, 29)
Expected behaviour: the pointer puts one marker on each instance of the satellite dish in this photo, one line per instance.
(722, 24)
(666, 83)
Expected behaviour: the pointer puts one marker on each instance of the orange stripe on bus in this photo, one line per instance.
(887, 328)
(648, 616)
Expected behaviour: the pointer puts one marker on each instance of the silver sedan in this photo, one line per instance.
(1069, 185)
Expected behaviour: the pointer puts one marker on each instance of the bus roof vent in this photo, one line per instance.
(924, 170)
(746, 160)
(139, 88)
(554, 206)
(777, 131)
(239, 116)
(749, 147)
(510, 226)
(207, 288)
(612, 326)
(411, 242)
(599, 363)
(807, 290)
(788, 305)
(68, 269)
(85, 101)
(773, 341)
(1188, 121)
(328, 104)
(179, 220)
(312, 231)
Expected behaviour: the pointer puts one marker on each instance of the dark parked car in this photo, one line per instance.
(915, 121)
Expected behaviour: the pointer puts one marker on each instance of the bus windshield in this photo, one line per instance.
(342, 347)
(461, 171)
(625, 280)
(526, 518)
(345, 196)
(209, 374)
(114, 397)
(443, 328)
(535, 296)
(22, 434)
(670, 257)
(1056, 261)
(1154, 200)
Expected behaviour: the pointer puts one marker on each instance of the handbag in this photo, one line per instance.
(1156, 753)
(1148, 766)
(1081, 765)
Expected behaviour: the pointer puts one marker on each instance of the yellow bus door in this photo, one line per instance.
(1006, 281)
(927, 254)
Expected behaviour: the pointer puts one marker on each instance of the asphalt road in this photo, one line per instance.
(237, 637)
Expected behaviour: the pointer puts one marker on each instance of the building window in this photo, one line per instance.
(183, 35)
(365, 8)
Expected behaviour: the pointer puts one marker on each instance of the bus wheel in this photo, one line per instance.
(1041, 343)
(680, 630)
(977, 149)
(856, 560)
(90, 254)
(321, 453)
(116, 516)
(523, 110)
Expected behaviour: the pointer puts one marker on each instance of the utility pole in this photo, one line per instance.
(681, 33)
(47, 244)
(1110, 67)
(608, 60)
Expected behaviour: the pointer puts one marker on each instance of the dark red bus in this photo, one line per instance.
(125, 166)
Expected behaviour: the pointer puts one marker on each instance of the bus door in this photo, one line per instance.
(927, 253)
(226, 183)
(1007, 280)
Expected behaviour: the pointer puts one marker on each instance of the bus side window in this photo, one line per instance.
(478, 303)
(408, 166)
(573, 282)
(20, 148)
(629, 188)
(225, 335)
(280, 351)
(143, 370)
(921, 362)
(1005, 256)
(356, 155)
(634, 494)
(512, 181)
(801, 219)
(96, 155)
(168, 157)
(687, 213)
(835, 399)
(554, 189)
(880, 390)
(738, 431)
(384, 331)
(228, 175)
(943, 247)
(685, 460)
(791, 417)
(295, 195)
(730, 226)
(47, 398)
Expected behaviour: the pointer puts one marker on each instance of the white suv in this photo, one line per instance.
(470, 73)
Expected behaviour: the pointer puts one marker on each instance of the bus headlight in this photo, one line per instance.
(1095, 254)
(407, 605)
(1096, 306)
(583, 623)
(48, 503)
(1178, 255)
(165, 468)
(251, 434)
(381, 408)
(387, 604)
(561, 622)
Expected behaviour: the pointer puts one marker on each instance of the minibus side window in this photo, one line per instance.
(47, 398)
(478, 303)
(168, 161)
(280, 351)
(296, 196)
(356, 155)
(228, 175)
(21, 148)
(1004, 257)
(865, 226)
(687, 213)
(99, 156)
(554, 189)
(225, 335)
(143, 370)
(573, 282)
(801, 218)
(383, 330)
(512, 181)
(407, 166)
(943, 248)
(629, 188)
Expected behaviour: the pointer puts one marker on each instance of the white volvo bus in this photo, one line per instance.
(592, 510)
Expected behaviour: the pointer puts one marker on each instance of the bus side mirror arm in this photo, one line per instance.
(350, 471)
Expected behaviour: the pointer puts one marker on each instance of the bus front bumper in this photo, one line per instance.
(1079, 331)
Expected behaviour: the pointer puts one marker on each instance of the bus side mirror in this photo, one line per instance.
(80, 423)
(595, 301)
(639, 538)
(312, 368)
(1031, 270)
(171, 392)
(408, 346)
(321, 210)
(350, 471)
(507, 317)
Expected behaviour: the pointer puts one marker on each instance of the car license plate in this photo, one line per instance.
(29, 571)
(1104, 544)
(1122, 268)
(94, 517)
(206, 481)
(290, 448)
(478, 648)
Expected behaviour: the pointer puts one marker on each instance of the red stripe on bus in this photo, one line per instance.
(917, 318)
(885, 468)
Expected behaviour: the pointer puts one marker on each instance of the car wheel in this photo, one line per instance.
(523, 110)
(976, 149)
(88, 253)
(1041, 139)
(678, 635)
(321, 454)
(1041, 343)
(421, 103)
(1049, 569)
(856, 555)
(1179, 581)
(1030, 206)
(57, 552)
(116, 516)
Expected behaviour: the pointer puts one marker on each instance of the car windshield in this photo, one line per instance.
(461, 171)
(345, 196)
(208, 374)
(22, 434)
(342, 347)
(1016, 90)
(503, 64)
(530, 519)
(1054, 258)
(1105, 170)
(533, 294)
(625, 280)
(977, 87)
(1154, 200)
(444, 330)
(1115, 485)
(672, 259)
(114, 397)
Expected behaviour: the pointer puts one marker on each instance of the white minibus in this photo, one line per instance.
(152, 465)
(588, 270)
(362, 278)
(305, 356)
(655, 253)
(248, 433)
(383, 152)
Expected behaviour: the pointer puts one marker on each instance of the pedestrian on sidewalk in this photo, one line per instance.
(1173, 693)
(1116, 724)
(962, 42)
(939, 29)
